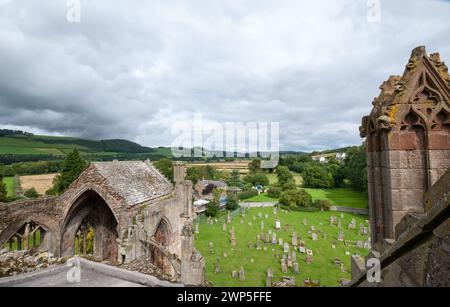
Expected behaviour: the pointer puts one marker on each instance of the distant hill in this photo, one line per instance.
(19, 146)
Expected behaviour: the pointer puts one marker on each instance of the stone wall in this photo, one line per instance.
(419, 257)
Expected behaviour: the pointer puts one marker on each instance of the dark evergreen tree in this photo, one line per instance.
(72, 167)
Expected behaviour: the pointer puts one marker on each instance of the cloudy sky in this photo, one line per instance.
(131, 69)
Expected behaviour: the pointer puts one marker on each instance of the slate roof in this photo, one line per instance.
(135, 181)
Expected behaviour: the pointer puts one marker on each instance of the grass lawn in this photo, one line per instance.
(341, 197)
(261, 198)
(322, 268)
(9, 182)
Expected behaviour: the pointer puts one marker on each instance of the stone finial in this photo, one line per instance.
(179, 170)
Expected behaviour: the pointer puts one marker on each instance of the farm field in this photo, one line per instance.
(256, 262)
(341, 197)
(273, 179)
(41, 183)
(241, 166)
(9, 182)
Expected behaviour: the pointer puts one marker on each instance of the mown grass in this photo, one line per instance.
(341, 197)
(261, 198)
(322, 268)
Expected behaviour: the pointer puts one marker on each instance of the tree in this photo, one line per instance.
(72, 167)
(274, 192)
(235, 179)
(290, 185)
(165, 166)
(317, 176)
(232, 201)
(255, 166)
(295, 199)
(284, 175)
(214, 205)
(356, 167)
(31, 193)
(336, 169)
(2, 190)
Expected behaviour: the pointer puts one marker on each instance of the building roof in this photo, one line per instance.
(135, 181)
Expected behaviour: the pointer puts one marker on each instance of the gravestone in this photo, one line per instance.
(286, 248)
(341, 235)
(314, 236)
(294, 256)
(295, 268)
(280, 241)
(302, 249)
(313, 228)
(262, 225)
(277, 225)
(309, 259)
(274, 238)
(294, 239)
(284, 267)
(229, 217)
(224, 227)
(234, 274)
(286, 227)
(367, 245)
(305, 222)
(289, 260)
(211, 247)
(359, 244)
(266, 216)
(233, 237)
(242, 274)
(269, 277)
(309, 252)
(258, 244)
(260, 215)
(217, 270)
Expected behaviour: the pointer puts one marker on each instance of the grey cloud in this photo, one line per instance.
(131, 69)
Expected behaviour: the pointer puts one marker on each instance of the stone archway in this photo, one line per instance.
(161, 237)
(90, 221)
(31, 236)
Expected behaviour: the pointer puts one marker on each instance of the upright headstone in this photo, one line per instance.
(341, 235)
(224, 227)
(280, 241)
(269, 278)
(294, 256)
(294, 239)
(277, 225)
(309, 259)
(305, 222)
(229, 217)
(242, 274)
(217, 270)
(284, 267)
(274, 238)
(295, 268)
(262, 225)
(286, 248)
(314, 236)
(233, 237)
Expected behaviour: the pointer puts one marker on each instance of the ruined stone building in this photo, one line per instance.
(130, 210)
(408, 154)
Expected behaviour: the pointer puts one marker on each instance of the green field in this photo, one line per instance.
(322, 268)
(9, 182)
(341, 197)
(262, 198)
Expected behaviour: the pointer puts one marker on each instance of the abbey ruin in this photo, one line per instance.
(129, 207)
(408, 153)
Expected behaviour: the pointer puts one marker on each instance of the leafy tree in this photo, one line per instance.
(2, 190)
(337, 172)
(72, 167)
(235, 179)
(317, 176)
(296, 198)
(232, 201)
(255, 166)
(31, 193)
(214, 205)
(197, 173)
(284, 175)
(290, 185)
(274, 192)
(165, 166)
(356, 168)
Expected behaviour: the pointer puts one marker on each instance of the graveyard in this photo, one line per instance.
(241, 248)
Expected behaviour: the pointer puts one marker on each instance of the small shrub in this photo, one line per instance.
(31, 193)
(274, 192)
(322, 204)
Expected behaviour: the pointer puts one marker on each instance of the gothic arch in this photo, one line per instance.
(90, 212)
